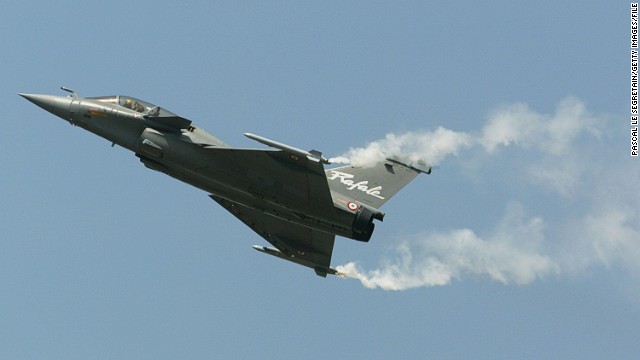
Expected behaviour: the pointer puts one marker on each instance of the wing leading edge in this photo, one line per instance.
(293, 242)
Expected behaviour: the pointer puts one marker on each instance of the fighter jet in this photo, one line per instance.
(284, 194)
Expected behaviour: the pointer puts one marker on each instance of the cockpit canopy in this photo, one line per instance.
(136, 105)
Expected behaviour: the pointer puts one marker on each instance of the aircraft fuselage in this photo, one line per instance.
(176, 147)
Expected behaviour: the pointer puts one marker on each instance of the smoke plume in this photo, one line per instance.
(509, 255)
(602, 230)
(431, 146)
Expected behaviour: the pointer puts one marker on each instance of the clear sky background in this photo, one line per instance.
(523, 244)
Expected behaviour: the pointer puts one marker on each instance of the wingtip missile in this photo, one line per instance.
(313, 155)
(419, 165)
(320, 271)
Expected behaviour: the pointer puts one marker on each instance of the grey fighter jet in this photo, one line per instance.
(285, 195)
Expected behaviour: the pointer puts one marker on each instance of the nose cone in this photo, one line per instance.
(57, 105)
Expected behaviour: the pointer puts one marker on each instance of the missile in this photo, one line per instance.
(313, 155)
(321, 271)
(270, 251)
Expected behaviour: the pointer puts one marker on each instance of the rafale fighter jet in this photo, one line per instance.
(284, 195)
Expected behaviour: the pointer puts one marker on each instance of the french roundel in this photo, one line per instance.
(352, 206)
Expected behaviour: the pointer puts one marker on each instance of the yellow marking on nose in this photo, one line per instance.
(95, 113)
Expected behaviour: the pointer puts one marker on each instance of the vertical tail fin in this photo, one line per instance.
(374, 185)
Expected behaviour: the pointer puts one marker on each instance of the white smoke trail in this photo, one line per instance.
(510, 255)
(430, 146)
(514, 124)
(517, 251)
(549, 133)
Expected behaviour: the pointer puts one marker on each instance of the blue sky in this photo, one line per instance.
(524, 243)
